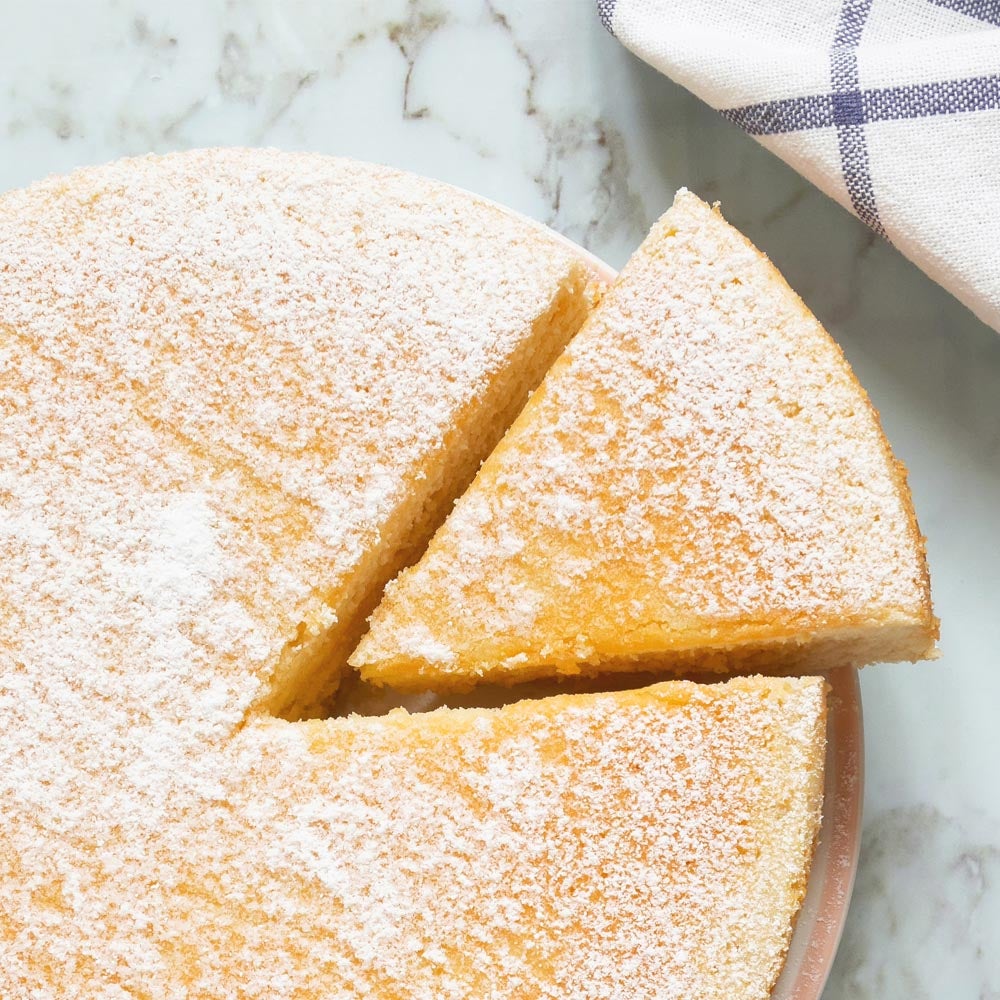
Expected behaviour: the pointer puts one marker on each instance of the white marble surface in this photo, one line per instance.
(531, 103)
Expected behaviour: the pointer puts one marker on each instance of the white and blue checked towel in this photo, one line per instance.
(892, 107)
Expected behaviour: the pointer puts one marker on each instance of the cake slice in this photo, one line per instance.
(648, 844)
(699, 481)
(352, 337)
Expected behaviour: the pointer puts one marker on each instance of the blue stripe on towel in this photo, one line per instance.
(879, 104)
(848, 112)
(981, 10)
(606, 12)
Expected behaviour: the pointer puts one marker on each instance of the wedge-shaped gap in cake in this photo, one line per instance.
(357, 696)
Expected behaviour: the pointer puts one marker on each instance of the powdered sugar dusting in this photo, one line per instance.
(700, 469)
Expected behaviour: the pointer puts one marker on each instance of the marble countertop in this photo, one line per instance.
(531, 103)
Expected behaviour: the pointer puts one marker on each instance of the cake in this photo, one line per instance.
(699, 482)
(239, 389)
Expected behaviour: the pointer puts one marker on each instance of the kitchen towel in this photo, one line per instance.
(892, 107)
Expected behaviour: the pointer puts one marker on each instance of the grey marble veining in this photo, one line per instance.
(530, 102)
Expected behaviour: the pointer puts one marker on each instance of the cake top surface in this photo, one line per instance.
(280, 344)
(700, 462)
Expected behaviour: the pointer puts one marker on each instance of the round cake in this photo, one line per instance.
(240, 391)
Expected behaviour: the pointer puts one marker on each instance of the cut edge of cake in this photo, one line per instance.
(313, 663)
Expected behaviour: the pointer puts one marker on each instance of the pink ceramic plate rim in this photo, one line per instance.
(824, 910)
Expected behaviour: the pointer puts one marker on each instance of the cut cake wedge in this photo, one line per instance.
(699, 482)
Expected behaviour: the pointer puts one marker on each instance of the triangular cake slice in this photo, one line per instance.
(699, 480)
